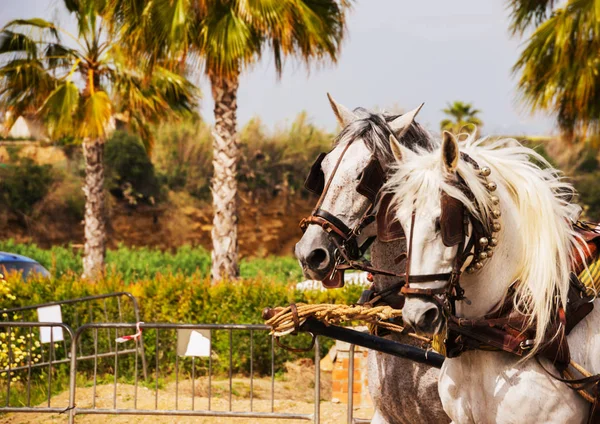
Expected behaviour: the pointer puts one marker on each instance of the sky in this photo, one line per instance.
(397, 54)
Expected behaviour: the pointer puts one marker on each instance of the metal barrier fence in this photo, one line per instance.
(25, 362)
(120, 306)
(35, 366)
(35, 355)
(189, 365)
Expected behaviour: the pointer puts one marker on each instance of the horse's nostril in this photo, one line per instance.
(318, 259)
(429, 318)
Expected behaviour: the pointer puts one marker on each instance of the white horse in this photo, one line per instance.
(535, 246)
(402, 391)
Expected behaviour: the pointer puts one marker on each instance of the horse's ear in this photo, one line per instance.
(343, 114)
(400, 152)
(401, 124)
(450, 152)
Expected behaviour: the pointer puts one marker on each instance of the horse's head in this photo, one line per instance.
(348, 180)
(448, 228)
(471, 241)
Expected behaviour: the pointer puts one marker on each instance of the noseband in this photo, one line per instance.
(454, 227)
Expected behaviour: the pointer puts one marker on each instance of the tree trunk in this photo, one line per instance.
(95, 218)
(224, 182)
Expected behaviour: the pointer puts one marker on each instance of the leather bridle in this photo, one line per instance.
(454, 227)
(348, 251)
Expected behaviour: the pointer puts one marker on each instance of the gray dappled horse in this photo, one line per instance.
(402, 391)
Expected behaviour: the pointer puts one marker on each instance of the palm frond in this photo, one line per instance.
(59, 109)
(38, 23)
(17, 43)
(524, 13)
(96, 112)
(559, 67)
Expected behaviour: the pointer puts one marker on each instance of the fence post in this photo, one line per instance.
(351, 385)
(73, 375)
(317, 381)
(136, 311)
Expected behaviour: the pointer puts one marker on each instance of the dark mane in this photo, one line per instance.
(373, 128)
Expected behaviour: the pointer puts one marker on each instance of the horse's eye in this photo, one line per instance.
(438, 226)
(360, 176)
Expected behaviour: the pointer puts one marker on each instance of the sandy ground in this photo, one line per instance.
(293, 394)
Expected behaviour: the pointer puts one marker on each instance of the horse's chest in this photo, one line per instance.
(490, 387)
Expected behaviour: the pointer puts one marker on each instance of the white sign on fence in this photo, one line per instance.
(193, 343)
(50, 314)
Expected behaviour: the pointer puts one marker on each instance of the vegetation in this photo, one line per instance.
(559, 66)
(463, 118)
(145, 263)
(162, 298)
(227, 37)
(78, 91)
(130, 173)
(23, 184)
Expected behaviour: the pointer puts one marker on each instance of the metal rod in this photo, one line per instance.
(116, 371)
(8, 373)
(95, 366)
(136, 312)
(272, 374)
(230, 366)
(135, 395)
(156, 381)
(73, 375)
(68, 360)
(29, 367)
(251, 369)
(210, 371)
(369, 341)
(77, 326)
(176, 378)
(317, 417)
(166, 412)
(193, 381)
(51, 351)
(108, 328)
(351, 385)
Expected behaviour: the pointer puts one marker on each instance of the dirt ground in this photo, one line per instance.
(293, 394)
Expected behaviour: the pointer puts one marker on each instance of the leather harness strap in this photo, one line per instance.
(348, 249)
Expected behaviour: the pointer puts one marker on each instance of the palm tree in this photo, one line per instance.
(463, 117)
(76, 91)
(226, 37)
(559, 68)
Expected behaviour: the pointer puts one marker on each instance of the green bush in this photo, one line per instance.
(185, 299)
(589, 193)
(24, 184)
(130, 173)
(270, 161)
(130, 263)
(183, 157)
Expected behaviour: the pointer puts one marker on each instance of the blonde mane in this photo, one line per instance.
(549, 242)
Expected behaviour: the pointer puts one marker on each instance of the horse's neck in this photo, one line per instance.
(486, 288)
(383, 256)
